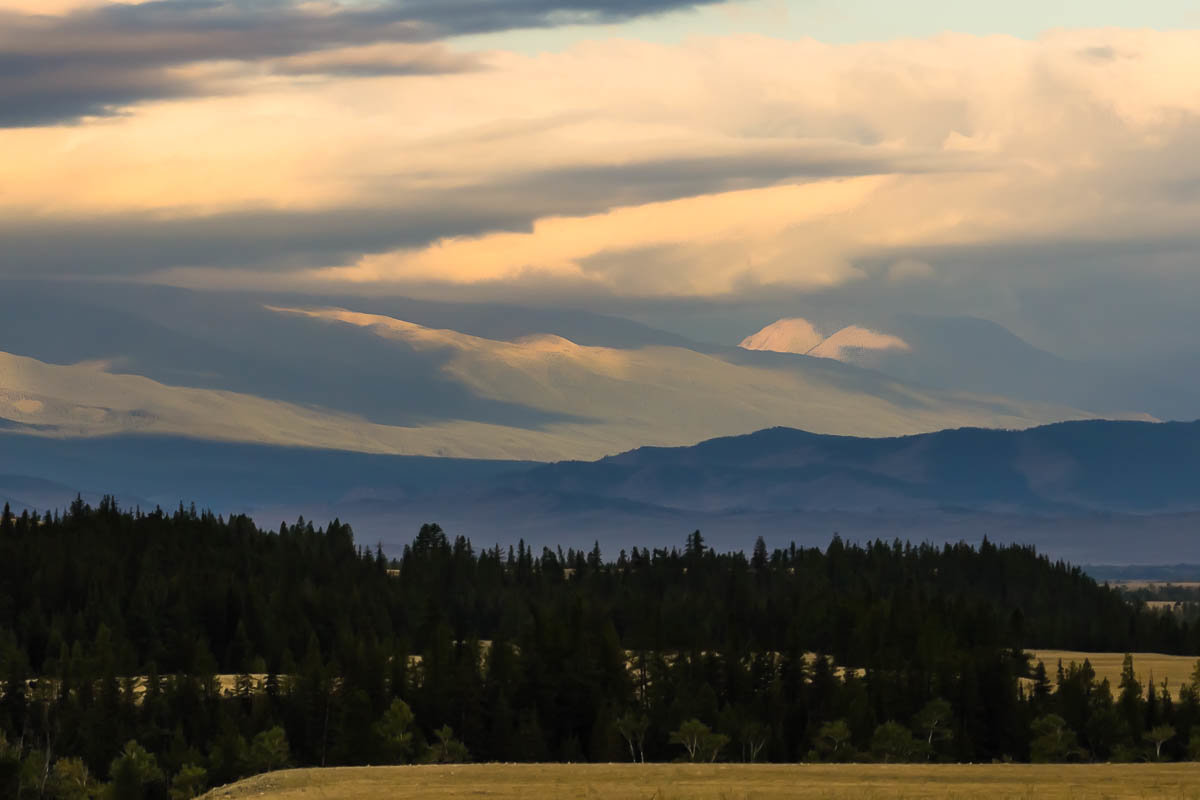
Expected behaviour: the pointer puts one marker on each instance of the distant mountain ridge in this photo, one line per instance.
(346, 379)
(852, 344)
(969, 354)
(793, 335)
(1093, 492)
(1087, 466)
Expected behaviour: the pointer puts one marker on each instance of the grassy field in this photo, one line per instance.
(1177, 670)
(1135, 585)
(725, 782)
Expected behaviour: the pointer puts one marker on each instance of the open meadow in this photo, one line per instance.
(1176, 670)
(724, 782)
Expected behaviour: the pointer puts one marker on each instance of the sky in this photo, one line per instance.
(848, 21)
(1030, 163)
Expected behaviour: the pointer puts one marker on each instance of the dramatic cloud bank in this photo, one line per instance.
(354, 147)
(66, 60)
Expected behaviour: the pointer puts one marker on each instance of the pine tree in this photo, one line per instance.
(269, 751)
(134, 773)
(759, 559)
(1130, 701)
(394, 732)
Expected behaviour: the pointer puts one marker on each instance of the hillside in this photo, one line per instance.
(1093, 492)
(1105, 466)
(969, 354)
(540, 397)
(794, 335)
(852, 344)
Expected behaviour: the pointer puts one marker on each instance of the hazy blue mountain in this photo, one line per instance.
(1092, 466)
(231, 342)
(1094, 492)
(258, 368)
(226, 476)
(975, 355)
(26, 493)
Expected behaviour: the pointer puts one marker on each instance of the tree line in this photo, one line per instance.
(115, 625)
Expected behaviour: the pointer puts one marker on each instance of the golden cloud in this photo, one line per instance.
(950, 141)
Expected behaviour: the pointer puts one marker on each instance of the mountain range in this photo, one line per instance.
(508, 422)
(1118, 492)
(391, 377)
(1066, 468)
(975, 355)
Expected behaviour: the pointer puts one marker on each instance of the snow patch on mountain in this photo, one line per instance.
(796, 335)
(793, 335)
(853, 341)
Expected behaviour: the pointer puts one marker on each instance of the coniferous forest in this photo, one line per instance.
(153, 655)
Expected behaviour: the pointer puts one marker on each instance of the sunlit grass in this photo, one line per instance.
(1176, 670)
(729, 782)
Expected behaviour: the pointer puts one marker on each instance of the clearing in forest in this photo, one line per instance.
(1176, 670)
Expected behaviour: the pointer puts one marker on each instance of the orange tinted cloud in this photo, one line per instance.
(656, 169)
(47, 6)
(561, 247)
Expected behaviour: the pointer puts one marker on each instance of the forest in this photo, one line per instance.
(154, 654)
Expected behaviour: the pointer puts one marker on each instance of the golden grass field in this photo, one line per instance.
(726, 782)
(1177, 670)
(1135, 585)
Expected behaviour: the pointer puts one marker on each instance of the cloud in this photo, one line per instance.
(746, 168)
(704, 226)
(148, 240)
(96, 59)
(377, 60)
(1099, 52)
(909, 269)
(45, 7)
(136, 244)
